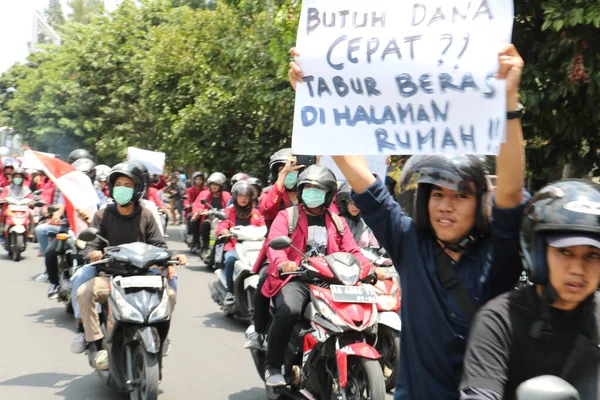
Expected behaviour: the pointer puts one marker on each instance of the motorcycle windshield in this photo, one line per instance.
(140, 255)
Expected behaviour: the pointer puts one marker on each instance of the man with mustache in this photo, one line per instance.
(550, 328)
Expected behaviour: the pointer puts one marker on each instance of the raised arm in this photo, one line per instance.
(510, 163)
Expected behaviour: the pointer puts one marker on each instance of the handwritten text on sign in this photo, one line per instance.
(401, 77)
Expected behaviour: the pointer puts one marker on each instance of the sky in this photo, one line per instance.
(16, 27)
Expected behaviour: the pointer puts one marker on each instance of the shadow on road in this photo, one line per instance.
(249, 394)
(73, 387)
(55, 317)
(220, 321)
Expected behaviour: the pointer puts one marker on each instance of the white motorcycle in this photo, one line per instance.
(250, 241)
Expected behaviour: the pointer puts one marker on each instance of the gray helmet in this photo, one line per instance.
(102, 170)
(343, 197)
(321, 177)
(243, 188)
(218, 178)
(77, 154)
(278, 158)
(86, 166)
(196, 175)
(240, 176)
(565, 207)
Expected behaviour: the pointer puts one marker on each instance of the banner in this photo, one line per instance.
(153, 160)
(30, 161)
(76, 187)
(401, 77)
(377, 166)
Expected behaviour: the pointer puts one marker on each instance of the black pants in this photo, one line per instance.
(206, 233)
(194, 229)
(51, 259)
(289, 304)
(261, 305)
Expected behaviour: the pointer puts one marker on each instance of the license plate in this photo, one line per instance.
(145, 281)
(18, 208)
(353, 294)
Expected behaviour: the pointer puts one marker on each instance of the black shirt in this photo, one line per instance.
(216, 203)
(502, 352)
(316, 245)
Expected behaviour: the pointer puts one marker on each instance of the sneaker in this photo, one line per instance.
(166, 348)
(255, 341)
(101, 360)
(194, 249)
(229, 299)
(79, 344)
(53, 292)
(273, 377)
(43, 277)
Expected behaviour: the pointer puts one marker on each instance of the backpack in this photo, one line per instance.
(293, 215)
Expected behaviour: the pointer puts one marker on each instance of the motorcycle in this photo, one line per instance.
(330, 353)
(136, 318)
(546, 387)
(68, 252)
(214, 216)
(250, 240)
(389, 325)
(16, 225)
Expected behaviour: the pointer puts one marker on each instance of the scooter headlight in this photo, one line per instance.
(126, 310)
(163, 310)
(327, 313)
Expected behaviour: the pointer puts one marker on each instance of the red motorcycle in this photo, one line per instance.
(388, 316)
(16, 224)
(331, 353)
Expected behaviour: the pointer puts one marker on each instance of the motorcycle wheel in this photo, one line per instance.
(16, 253)
(388, 345)
(145, 371)
(365, 380)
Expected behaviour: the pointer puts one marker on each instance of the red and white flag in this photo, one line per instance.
(76, 187)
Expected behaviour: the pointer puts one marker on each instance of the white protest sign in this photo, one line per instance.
(377, 166)
(153, 160)
(401, 77)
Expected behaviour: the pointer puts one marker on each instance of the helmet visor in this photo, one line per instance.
(443, 178)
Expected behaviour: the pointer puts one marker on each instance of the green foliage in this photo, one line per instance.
(54, 14)
(84, 10)
(558, 40)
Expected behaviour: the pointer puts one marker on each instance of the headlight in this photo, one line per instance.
(127, 311)
(163, 310)
(348, 274)
(387, 302)
(328, 313)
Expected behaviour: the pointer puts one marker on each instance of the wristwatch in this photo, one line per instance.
(516, 114)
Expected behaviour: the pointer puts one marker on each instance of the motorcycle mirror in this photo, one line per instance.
(203, 201)
(88, 234)
(37, 192)
(1, 190)
(280, 243)
(52, 209)
(39, 204)
(546, 387)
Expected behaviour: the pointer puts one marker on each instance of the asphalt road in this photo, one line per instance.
(207, 360)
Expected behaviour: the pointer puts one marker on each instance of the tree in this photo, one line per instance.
(84, 10)
(561, 85)
(54, 14)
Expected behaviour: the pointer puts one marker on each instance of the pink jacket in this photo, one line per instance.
(206, 195)
(335, 243)
(255, 220)
(269, 203)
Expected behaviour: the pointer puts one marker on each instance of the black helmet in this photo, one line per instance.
(145, 173)
(255, 182)
(278, 158)
(77, 154)
(319, 176)
(243, 188)
(451, 172)
(569, 206)
(240, 176)
(196, 175)
(344, 195)
(218, 178)
(133, 172)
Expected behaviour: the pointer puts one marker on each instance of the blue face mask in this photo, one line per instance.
(17, 181)
(122, 195)
(313, 197)
(291, 179)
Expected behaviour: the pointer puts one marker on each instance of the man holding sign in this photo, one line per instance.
(452, 257)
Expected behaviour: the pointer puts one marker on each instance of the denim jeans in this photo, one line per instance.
(230, 259)
(86, 273)
(41, 233)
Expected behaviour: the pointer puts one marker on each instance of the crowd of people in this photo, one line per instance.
(459, 252)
